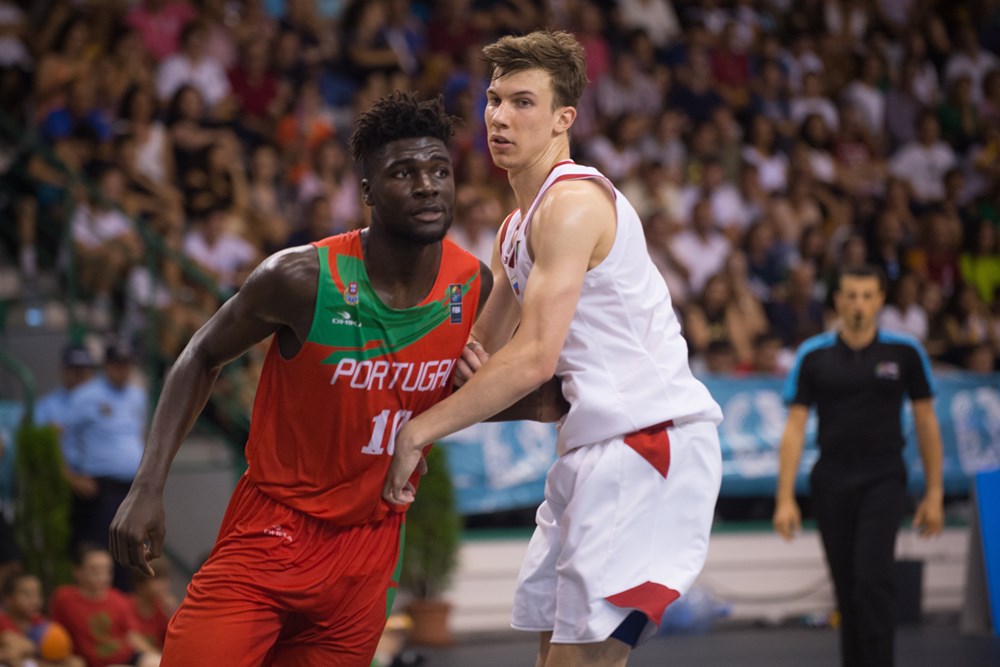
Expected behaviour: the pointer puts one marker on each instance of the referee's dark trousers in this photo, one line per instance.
(858, 504)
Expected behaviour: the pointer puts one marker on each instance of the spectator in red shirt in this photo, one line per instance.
(22, 604)
(98, 617)
(159, 23)
(731, 68)
(256, 90)
(153, 604)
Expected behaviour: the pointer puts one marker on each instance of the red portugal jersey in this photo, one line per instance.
(324, 422)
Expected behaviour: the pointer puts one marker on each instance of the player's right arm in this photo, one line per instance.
(787, 518)
(278, 297)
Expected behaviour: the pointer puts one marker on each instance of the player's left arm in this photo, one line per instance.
(573, 220)
(929, 516)
(545, 404)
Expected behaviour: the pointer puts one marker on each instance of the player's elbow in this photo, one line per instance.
(540, 367)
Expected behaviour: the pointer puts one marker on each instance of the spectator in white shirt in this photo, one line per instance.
(625, 88)
(224, 255)
(665, 143)
(903, 314)
(478, 211)
(701, 249)
(814, 101)
(925, 86)
(864, 93)
(800, 60)
(656, 17)
(192, 65)
(105, 242)
(762, 152)
(902, 106)
(923, 163)
(972, 61)
(727, 206)
(616, 152)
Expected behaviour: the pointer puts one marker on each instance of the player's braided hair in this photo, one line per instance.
(401, 115)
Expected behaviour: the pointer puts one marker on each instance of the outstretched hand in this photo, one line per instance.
(138, 530)
(398, 489)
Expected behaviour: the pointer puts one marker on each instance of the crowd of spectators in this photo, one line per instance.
(91, 623)
(765, 144)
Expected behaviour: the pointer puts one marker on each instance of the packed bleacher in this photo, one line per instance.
(766, 144)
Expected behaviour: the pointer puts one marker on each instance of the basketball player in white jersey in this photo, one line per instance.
(624, 528)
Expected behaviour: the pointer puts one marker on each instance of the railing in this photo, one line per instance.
(56, 232)
(25, 379)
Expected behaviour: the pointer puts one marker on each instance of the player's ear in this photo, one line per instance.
(565, 119)
(366, 191)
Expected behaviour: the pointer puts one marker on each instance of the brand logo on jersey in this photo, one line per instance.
(887, 370)
(277, 530)
(351, 294)
(379, 374)
(344, 318)
(455, 302)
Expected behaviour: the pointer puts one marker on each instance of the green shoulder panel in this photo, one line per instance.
(351, 319)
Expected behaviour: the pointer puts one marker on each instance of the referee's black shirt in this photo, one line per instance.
(859, 393)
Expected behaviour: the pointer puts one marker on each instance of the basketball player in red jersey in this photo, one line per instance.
(367, 327)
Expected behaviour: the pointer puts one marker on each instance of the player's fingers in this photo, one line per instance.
(114, 544)
(144, 559)
(462, 372)
(155, 538)
(478, 351)
(390, 495)
(408, 493)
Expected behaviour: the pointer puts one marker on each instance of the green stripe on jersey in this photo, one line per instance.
(357, 324)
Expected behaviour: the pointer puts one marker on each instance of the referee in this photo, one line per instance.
(857, 377)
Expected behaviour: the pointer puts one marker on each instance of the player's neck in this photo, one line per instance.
(527, 181)
(858, 338)
(402, 273)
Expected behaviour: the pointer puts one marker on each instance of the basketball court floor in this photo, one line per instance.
(936, 643)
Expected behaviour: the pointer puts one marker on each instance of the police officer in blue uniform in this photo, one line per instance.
(104, 426)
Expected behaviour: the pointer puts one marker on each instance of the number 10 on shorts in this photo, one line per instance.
(378, 445)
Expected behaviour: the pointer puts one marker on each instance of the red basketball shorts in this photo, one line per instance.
(284, 588)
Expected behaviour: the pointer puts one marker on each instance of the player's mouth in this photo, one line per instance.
(500, 142)
(429, 213)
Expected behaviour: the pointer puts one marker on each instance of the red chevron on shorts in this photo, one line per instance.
(650, 598)
(653, 444)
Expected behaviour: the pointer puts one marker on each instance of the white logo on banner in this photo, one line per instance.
(975, 414)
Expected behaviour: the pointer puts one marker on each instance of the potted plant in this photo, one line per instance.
(42, 505)
(430, 552)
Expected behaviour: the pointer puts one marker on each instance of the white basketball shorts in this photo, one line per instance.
(624, 526)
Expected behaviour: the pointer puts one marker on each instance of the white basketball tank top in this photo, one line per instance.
(624, 365)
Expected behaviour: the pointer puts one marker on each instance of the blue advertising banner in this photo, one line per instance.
(501, 466)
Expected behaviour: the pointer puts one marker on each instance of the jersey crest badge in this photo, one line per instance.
(887, 370)
(455, 302)
(351, 294)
